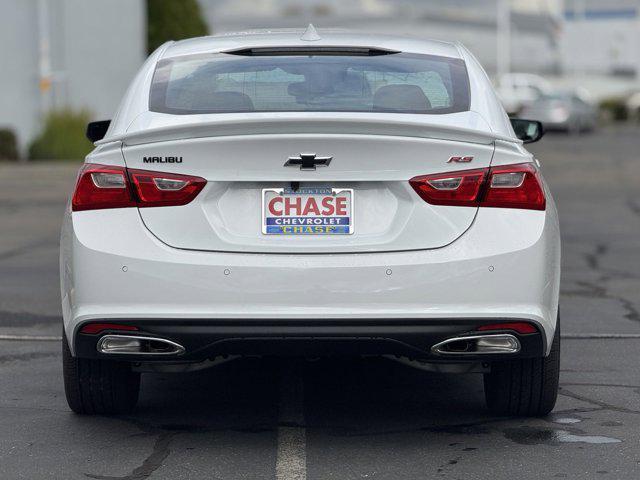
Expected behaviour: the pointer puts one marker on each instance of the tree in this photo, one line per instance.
(62, 137)
(173, 20)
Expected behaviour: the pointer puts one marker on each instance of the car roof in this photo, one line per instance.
(309, 38)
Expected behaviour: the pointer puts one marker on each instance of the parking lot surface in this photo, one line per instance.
(329, 419)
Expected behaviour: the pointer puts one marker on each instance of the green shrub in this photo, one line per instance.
(8, 145)
(63, 137)
(614, 108)
(173, 20)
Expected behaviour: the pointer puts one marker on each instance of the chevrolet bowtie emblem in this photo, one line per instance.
(308, 161)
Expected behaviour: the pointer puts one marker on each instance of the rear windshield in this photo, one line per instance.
(391, 82)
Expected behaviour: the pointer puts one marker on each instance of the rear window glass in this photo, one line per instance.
(226, 83)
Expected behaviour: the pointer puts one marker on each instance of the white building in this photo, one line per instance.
(601, 37)
(76, 53)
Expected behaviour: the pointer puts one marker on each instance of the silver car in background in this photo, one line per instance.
(569, 111)
(519, 90)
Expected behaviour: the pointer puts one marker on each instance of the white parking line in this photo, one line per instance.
(578, 336)
(291, 461)
(31, 338)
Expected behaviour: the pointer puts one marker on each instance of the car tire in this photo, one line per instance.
(99, 387)
(526, 387)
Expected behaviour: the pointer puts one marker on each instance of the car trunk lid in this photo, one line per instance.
(375, 168)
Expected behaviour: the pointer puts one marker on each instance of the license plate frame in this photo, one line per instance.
(340, 228)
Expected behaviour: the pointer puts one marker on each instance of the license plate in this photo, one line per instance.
(307, 211)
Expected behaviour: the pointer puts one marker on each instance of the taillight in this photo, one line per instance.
(101, 186)
(456, 188)
(104, 186)
(156, 189)
(514, 186)
(509, 186)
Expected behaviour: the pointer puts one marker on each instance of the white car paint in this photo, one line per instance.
(414, 260)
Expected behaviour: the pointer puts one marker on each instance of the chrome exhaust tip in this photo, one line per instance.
(477, 345)
(137, 345)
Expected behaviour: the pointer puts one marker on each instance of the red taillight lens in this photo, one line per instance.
(455, 188)
(514, 186)
(101, 186)
(104, 186)
(509, 186)
(520, 327)
(93, 328)
(158, 189)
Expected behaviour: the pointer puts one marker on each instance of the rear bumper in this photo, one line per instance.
(207, 339)
(506, 266)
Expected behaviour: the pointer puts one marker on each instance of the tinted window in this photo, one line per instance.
(396, 82)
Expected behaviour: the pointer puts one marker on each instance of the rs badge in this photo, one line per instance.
(460, 159)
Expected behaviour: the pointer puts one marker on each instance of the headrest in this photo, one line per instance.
(400, 98)
(226, 102)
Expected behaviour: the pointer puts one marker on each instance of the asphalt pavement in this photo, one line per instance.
(329, 419)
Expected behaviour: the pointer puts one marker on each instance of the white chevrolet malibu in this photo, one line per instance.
(311, 194)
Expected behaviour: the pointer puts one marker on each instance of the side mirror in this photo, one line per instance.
(528, 131)
(97, 130)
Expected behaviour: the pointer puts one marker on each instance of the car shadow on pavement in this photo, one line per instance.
(341, 396)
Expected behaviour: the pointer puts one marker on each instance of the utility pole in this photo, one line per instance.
(44, 54)
(637, 45)
(503, 37)
(580, 14)
(44, 57)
